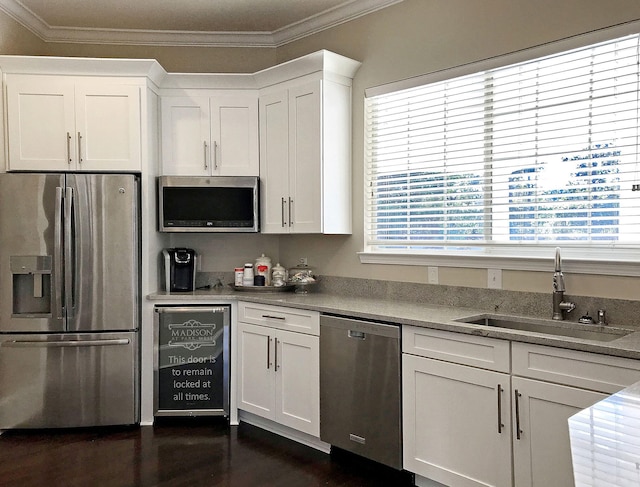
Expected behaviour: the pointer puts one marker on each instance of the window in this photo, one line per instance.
(511, 160)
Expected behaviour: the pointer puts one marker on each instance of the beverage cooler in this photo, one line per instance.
(191, 361)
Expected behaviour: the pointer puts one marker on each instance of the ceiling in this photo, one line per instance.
(232, 23)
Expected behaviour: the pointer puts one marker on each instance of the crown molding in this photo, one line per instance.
(329, 18)
(312, 25)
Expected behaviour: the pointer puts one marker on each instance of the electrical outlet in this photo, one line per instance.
(494, 278)
(303, 260)
(432, 275)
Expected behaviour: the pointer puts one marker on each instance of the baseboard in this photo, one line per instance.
(285, 431)
(425, 482)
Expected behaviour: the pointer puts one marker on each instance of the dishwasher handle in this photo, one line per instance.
(359, 329)
(359, 335)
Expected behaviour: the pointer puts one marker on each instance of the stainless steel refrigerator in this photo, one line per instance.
(69, 300)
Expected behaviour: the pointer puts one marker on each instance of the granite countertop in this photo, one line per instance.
(605, 445)
(416, 314)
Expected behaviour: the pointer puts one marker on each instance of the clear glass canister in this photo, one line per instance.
(301, 274)
(278, 275)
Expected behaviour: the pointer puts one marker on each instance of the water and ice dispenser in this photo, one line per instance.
(31, 277)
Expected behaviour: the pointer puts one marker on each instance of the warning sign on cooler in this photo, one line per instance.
(192, 370)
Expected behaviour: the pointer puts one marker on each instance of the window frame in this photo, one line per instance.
(623, 260)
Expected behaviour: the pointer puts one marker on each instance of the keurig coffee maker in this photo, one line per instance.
(180, 269)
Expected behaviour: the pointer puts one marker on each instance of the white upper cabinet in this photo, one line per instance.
(306, 164)
(274, 148)
(291, 160)
(305, 158)
(60, 123)
(210, 135)
(185, 135)
(234, 135)
(305, 148)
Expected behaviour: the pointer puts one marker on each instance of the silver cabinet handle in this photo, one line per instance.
(79, 148)
(215, 155)
(206, 166)
(272, 317)
(268, 352)
(69, 148)
(500, 424)
(290, 211)
(518, 430)
(64, 343)
(284, 222)
(276, 354)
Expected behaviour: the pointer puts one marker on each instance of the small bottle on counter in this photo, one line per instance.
(239, 274)
(247, 275)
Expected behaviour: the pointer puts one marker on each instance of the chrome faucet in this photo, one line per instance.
(560, 306)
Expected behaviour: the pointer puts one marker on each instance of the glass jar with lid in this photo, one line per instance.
(302, 276)
(278, 275)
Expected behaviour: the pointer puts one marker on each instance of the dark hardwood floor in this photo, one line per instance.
(189, 452)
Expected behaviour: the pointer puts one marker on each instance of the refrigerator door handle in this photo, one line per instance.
(69, 253)
(58, 257)
(64, 343)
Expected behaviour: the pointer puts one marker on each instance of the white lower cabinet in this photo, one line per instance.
(453, 404)
(541, 447)
(456, 427)
(279, 375)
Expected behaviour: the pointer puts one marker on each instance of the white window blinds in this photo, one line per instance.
(538, 153)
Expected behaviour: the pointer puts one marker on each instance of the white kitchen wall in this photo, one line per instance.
(222, 252)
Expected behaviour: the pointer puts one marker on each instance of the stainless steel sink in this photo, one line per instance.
(583, 332)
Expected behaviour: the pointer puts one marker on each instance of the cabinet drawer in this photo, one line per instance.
(486, 353)
(292, 319)
(575, 368)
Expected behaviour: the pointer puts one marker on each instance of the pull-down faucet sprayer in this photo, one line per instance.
(560, 306)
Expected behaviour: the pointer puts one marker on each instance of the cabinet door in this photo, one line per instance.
(456, 427)
(256, 362)
(186, 147)
(305, 158)
(40, 123)
(298, 382)
(108, 127)
(234, 136)
(542, 450)
(274, 163)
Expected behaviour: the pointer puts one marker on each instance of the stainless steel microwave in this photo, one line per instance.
(208, 204)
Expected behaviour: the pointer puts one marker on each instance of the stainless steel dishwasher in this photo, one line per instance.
(360, 388)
